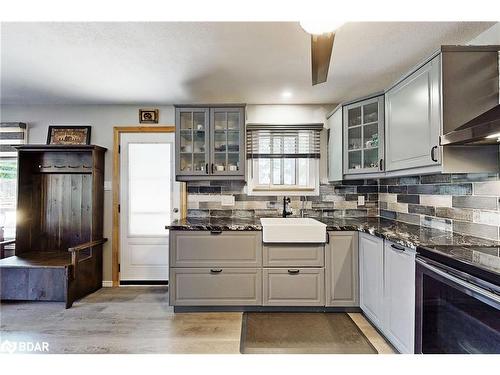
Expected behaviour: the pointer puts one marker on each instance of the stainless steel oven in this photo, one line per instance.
(456, 312)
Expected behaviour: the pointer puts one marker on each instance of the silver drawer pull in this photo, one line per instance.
(216, 270)
(293, 272)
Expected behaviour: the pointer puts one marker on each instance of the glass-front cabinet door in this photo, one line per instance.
(192, 141)
(210, 143)
(227, 139)
(364, 136)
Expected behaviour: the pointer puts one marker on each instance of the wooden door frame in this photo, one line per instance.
(117, 131)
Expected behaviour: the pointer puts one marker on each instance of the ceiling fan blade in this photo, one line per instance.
(321, 52)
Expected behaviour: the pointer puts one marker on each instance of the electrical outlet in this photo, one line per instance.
(361, 200)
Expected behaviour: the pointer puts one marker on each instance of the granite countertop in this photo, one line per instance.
(216, 223)
(408, 235)
(472, 251)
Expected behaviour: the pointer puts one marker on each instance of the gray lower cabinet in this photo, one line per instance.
(371, 277)
(399, 293)
(213, 268)
(342, 269)
(215, 286)
(293, 287)
(236, 268)
(293, 255)
(215, 249)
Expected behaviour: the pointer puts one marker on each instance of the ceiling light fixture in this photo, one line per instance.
(286, 94)
(319, 27)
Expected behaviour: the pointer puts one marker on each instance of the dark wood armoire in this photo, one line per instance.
(59, 231)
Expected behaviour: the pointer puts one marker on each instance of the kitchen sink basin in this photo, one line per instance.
(293, 230)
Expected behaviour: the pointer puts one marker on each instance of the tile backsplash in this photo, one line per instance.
(335, 200)
(464, 203)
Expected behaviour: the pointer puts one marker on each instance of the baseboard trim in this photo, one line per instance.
(143, 282)
(185, 309)
(107, 284)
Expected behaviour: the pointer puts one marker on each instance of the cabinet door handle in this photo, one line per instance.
(381, 165)
(327, 237)
(216, 232)
(212, 168)
(206, 168)
(293, 272)
(432, 153)
(397, 247)
(216, 270)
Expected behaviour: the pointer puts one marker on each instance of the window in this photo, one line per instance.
(8, 178)
(11, 134)
(149, 188)
(283, 158)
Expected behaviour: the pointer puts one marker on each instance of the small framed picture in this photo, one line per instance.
(148, 116)
(68, 135)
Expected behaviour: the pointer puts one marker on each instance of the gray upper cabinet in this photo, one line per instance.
(364, 136)
(413, 122)
(210, 143)
(192, 135)
(335, 148)
(455, 85)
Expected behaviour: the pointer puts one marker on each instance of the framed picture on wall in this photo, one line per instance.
(68, 135)
(148, 116)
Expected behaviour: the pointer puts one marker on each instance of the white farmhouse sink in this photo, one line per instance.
(292, 230)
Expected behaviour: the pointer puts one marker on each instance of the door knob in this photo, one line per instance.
(175, 210)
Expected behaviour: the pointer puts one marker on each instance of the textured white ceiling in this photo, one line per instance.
(165, 63)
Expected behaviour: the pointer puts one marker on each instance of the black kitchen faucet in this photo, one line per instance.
(286, 210)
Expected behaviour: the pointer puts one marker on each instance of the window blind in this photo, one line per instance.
(12, 134)
(297, 141)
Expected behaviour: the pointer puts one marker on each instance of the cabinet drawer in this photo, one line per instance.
(209, 249)
(294, 287)
(294, 255)
(215, 287)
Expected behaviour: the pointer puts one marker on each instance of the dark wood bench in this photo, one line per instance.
(52, 275)
(59, 234)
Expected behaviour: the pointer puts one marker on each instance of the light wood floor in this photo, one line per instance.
(131, 320)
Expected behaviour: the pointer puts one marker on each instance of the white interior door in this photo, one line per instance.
(149, 200)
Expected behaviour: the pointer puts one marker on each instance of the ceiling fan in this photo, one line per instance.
(322, 37)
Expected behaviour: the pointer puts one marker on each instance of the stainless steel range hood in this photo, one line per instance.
(484, 129)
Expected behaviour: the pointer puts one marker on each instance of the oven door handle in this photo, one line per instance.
(464, 284)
